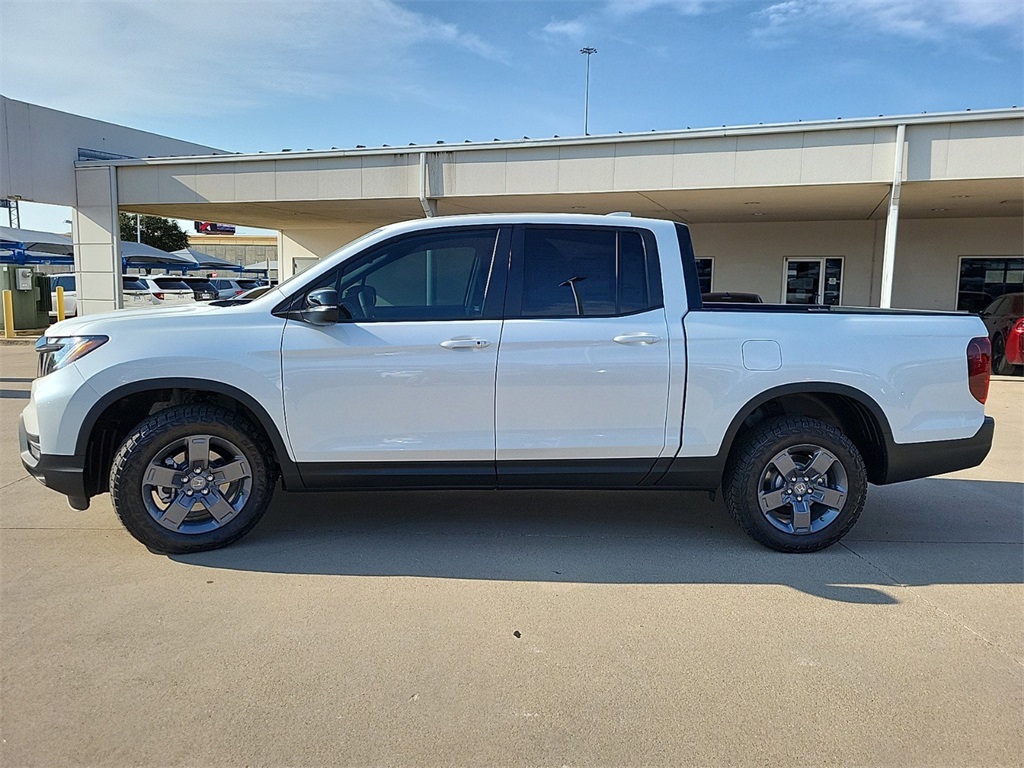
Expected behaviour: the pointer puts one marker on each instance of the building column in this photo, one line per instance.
(299, 249)
(892, 220)
(96, 233)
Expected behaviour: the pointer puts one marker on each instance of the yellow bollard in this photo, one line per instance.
(8, 315)
(60, 303)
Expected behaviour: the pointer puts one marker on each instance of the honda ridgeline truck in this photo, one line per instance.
(502, 351)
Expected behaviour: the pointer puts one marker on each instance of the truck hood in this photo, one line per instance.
(138, 319)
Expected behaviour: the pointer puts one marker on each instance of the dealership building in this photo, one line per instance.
(923, 211)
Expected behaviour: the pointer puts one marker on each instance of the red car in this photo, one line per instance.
(1004, 319)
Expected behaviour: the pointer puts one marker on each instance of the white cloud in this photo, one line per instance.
(614, 10)
(574, 29)
(919, 19)
(125, 58)
(632, 7)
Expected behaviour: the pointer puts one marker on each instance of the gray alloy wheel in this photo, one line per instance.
(803, 489)
(197, 484)
(192, 478)
(795, 484)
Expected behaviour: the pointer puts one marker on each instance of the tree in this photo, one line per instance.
(156, 231)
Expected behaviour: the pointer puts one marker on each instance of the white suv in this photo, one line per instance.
(137, 295)
(166, 290)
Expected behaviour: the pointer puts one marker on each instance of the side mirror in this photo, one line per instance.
(322, 307)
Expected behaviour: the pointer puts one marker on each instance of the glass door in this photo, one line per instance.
(814, 281)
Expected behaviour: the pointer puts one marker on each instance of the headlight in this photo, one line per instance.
(55, 352)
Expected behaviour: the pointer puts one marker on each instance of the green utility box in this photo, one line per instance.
(30, 296)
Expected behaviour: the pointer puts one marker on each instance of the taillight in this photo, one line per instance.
(159, 296)
(1015, 344)
(979, 367)
(239, 293)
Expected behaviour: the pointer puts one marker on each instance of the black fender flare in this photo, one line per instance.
(289, 469)
(705, 472)
(807, 388)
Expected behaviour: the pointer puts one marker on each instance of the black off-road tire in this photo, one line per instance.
(750, 469)
(233, 444)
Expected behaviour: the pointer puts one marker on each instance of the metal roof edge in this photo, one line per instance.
(968, 116)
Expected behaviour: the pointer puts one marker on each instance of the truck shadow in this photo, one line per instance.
(924, 532)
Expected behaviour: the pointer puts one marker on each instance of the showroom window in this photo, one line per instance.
(705, 273)
(983, 279)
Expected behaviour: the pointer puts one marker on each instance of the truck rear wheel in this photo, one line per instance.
(192, 478)
(795, 484)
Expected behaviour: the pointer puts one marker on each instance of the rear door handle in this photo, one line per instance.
(637, 338)
(465, 343)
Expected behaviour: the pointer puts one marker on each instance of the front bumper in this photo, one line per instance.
(64, 474)
(910, 461)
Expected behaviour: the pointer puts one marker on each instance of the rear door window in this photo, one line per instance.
(584, 272)
(132, 284)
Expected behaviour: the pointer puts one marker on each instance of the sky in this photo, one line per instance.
(251, 75)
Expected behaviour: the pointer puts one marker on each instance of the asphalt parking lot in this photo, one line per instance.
(541, 629)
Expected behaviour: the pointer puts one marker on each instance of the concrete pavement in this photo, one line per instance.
(524, 628)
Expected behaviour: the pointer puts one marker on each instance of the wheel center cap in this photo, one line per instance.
(800, 489)
(198, 483)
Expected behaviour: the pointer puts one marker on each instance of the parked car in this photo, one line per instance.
(228, 288)
(168, 290)
(1004, 319)
(254, 293)
(67, 282)
(503, 351)
(731, 297)
(137, 295)
(202, 288)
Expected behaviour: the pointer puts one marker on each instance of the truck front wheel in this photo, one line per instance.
(795, 484)
(192, 478)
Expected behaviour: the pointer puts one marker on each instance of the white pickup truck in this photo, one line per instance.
(502, 351)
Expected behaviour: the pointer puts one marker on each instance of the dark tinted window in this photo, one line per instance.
(171, 284)
(132, 284)
(247, 284)
(67, 282)
(432, 276)
(983, 280)
(705, 269)
(201, 285)
(573, 271)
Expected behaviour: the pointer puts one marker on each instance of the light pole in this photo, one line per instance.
(587, 51)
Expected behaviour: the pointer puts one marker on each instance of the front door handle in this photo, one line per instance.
(637, 338)
(465, 343)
